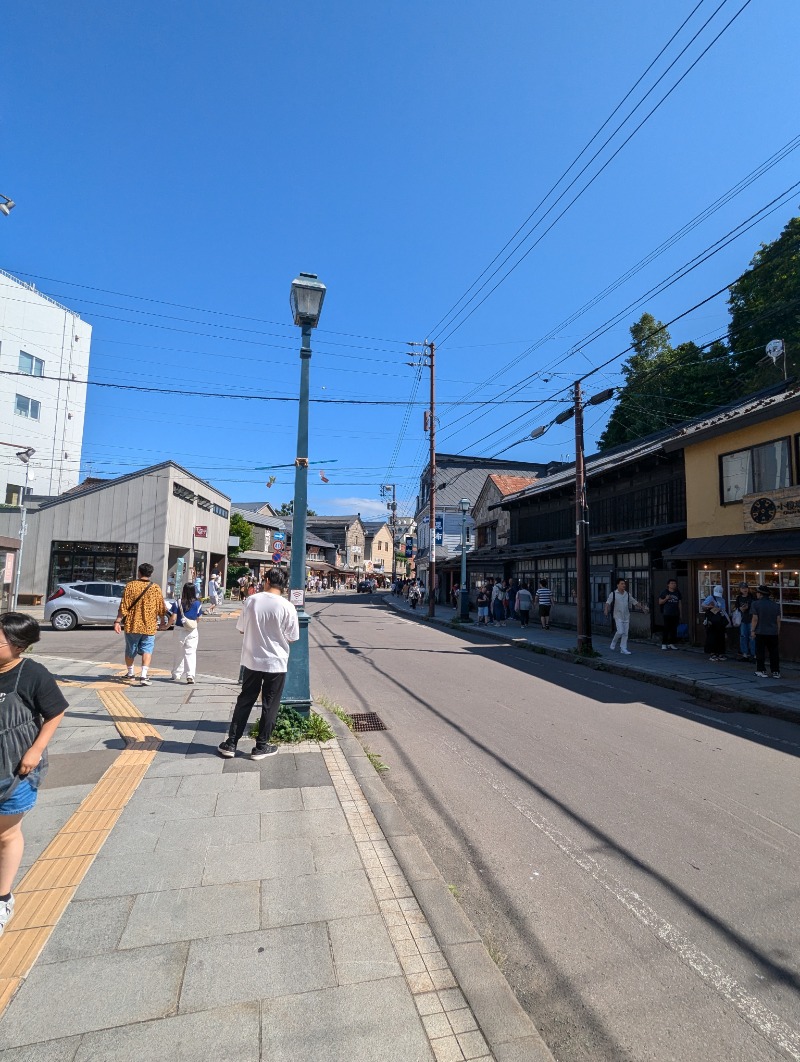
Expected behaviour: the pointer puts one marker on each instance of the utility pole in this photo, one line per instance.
(583, 588)
(392, 507)
(428, 355)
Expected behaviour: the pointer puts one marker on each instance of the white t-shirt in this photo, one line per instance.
(621, 603)
(269, 624)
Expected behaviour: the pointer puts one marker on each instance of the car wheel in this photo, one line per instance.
(64, 620)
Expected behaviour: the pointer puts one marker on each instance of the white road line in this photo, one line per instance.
(771, 1027)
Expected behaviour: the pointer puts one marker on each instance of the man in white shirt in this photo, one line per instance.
(620, 603)
(269, 624)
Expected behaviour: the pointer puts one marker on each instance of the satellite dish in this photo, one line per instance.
(775, 350)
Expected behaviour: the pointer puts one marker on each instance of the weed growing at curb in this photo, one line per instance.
(292, 727)
(498, 957)
(337, 710)
(375, 759)
(454, 892)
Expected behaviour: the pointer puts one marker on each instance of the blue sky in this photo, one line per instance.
(176, 165)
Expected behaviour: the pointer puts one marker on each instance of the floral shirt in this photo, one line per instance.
(142, 618)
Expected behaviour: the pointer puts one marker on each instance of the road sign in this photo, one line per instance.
(278, 545)
(278, 536)
(277, 558)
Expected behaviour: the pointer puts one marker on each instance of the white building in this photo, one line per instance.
(44, 357)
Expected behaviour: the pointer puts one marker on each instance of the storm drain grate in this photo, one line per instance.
(367, 721)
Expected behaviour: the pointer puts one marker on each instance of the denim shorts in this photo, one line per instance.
(139, 644)
(21, 800)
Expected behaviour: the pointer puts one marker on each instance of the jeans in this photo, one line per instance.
(767, 643)
(747, 642)
(269, 684)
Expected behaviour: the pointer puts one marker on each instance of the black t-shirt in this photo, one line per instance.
(37, 688)
(671, 606)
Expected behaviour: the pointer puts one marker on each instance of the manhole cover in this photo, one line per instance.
(367, 721)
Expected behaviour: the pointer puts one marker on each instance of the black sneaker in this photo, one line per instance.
(227, 750)
(260, 752)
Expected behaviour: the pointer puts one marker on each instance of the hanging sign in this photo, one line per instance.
(201, 531)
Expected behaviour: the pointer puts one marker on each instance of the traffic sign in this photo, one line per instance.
(277, 558)
(278, 546)
(278, 536)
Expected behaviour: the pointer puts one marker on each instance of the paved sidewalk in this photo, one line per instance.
(183, 906)
(729, 684)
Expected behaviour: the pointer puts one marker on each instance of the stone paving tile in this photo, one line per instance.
(322, 796)
(88, 927)
(362, 950)
(49, 1051)
(283, 859)
(331, 1025)
(229, 1035)
(262, 965)
(187, 914)
(66, 794)
(327, 822)
(218, 783)
(269, 800)
(167, 763)
(136, 985)
(133, 839)
(334, 853)
(198, 834)
(316, 897)
(150, 872)
(168, 810)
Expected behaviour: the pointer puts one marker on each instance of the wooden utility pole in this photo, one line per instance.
(428, 355)
(582, 589)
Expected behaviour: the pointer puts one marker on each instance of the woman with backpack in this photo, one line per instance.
(187, 612)
(32, 706)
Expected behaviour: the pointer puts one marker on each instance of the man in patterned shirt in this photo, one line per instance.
(141, 608)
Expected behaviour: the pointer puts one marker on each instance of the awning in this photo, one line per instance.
(321, 566)
(755, 544)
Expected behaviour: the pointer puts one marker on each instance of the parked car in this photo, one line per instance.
(364, 587)
(72, 604)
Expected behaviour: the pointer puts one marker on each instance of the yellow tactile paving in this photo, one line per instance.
(49, 885)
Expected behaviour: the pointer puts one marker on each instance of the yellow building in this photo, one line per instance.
(743, 505)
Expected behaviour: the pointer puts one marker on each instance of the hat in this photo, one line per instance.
(717, 591)
(765, 590)
(743, 586)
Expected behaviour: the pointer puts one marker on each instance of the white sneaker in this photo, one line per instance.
(627, 652)
(6, 911)
(612, 647)
(664, 648)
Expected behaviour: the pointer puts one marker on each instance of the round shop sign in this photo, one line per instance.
(763, 511)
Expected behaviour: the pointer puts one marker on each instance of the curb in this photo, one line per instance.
(509, 1032)
(694, 687)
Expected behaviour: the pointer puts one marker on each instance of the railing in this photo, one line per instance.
(32, 287)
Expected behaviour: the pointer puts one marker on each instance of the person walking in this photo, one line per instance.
(744, 603)
(482, 601)
(619, 604)
(268, 624)
(187, 613)
(140, 611)
(499, 598)
(32, 708)
(544, 599)
(766, 626)
(522, 605)
(716, 623)
(213, 593)
(671, 607)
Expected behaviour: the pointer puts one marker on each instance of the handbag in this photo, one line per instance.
(187, 624)
(736, 617)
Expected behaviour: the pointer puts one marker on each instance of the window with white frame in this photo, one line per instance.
(785, 587)
(765, 467)
(29, 365)
(27, 407)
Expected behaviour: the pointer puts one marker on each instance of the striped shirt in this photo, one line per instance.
(544, 596)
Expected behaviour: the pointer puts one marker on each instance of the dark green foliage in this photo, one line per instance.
(287, 509)
(240, 526)
(291, 727)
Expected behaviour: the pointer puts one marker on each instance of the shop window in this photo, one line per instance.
(29, 365)
(27, 407)
(759, 468)
(706, 581)
(785, 587)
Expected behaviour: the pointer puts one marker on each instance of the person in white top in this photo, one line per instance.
(269, 625)
(620, 603)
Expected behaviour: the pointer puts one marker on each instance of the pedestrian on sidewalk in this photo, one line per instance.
(187, 612)
(716, 623)
(619, 604)
(744, 603)
(213, 593)
(140, 611)
(671, 607)
(544, 599)
(499, 598)
(32, 707)
(766, 626)
(523, 603)
(269, 624)
(482, 601)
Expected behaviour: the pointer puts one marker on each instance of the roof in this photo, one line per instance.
(333, 521)
(311, 539)
(465, 477)
(755, 544)
(252, 517)
(511, 484)
(255, 507)
(102, 484)
(374, 526)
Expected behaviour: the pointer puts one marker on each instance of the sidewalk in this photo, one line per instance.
(729, 684)
(178, 905)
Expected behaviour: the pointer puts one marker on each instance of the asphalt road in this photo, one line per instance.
(631, 858)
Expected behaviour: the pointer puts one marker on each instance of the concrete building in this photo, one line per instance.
(103, 529)
(44, 359)
(378, 547)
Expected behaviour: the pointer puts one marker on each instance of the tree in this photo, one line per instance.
(287, 509)
(765, 304)
(239, 526)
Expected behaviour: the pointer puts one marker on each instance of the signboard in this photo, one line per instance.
(296, 598)
(201, 531)
(278, 546)
(773, 510)
(278, 536)
(233, 540)
(439, 537)
(277, 558)
(409, 546)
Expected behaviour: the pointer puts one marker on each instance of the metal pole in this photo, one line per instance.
(297, 692)
(394, 532)
(23, 528)
(432, 546)
(583, 603)
(464, 596)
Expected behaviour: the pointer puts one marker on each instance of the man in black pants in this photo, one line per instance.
(269, 624)
(670, 605)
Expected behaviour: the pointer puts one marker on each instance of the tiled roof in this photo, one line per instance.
(511, 484)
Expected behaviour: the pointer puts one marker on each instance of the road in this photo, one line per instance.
(630, 857)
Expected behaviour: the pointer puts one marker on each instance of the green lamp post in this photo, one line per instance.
(307, 296)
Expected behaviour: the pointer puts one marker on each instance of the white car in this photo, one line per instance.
(73, 604)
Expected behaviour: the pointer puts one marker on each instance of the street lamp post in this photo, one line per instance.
(25, 457)
(464, 596)
(307, 296)
(6, 204)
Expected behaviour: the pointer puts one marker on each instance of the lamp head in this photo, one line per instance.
(464, 505)
(308, 294)
(26, 455)
(7, 205)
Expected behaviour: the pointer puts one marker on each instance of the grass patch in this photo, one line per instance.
(375, 759)
(337, 710)
(454, 892)
(292, 727)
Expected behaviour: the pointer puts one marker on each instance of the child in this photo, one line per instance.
(31, 707)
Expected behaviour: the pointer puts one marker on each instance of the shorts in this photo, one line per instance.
(139, 644)
(21, 800)
(483, 611)
(544, 610)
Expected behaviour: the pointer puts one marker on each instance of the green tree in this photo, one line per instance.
(287, 509)
(765, 304)
(239, 526)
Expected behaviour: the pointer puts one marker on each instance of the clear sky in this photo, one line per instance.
(176, 165)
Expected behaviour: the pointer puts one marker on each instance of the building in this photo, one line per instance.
(492, 524)
(262, 519)
(743, 504)
(103, 529)
(347, 534)
(44, 363)
(378, 548)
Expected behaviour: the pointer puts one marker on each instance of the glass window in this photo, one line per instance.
(29, 365)
(766, 467)
(706, 580)
(27, 407)
(13, 494)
